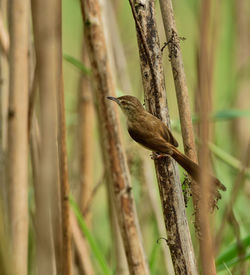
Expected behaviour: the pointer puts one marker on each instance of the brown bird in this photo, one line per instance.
(152, 133)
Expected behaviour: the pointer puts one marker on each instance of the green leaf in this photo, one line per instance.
(78, 64)
(230, 256)
(230, 114)
(224, 115)
(154, 257)
(228, 159)
(89, 237)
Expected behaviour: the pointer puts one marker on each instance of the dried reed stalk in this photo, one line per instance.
(48, 56)
(205, 97)
(4, 102)
(62, 154)
(17, 165)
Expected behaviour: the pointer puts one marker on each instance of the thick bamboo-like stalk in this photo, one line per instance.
(206, 242)
(114, 157)
(179, 239)
(17, 134)
(48, 56)
(4, 102)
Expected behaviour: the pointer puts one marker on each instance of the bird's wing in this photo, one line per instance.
(149, 140)
(151, 133)
(168, 136)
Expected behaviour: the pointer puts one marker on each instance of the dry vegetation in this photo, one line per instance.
(77, 195)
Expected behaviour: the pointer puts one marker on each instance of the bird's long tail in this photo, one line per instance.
(194, 169)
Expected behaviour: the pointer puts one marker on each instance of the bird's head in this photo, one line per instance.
(130, 105)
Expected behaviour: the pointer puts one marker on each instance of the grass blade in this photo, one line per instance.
(76, 63)
(89, 237)
(230, 256)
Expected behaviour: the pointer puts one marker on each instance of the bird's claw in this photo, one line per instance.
(156, 156)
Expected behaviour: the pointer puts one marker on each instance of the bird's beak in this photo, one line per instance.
(114, 99)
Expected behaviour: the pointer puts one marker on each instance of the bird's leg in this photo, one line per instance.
(157, 155)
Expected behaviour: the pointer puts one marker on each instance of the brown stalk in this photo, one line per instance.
(17, 165)
(206, 241)
(242, 64)
(113, 155)
(4, 98)
(62, 154)
(179, 239)
(48, 56)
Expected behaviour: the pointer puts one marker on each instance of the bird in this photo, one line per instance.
(150, 132)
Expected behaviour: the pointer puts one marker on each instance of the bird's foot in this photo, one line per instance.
(156, 156)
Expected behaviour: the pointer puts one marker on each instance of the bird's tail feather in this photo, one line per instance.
(193, 169)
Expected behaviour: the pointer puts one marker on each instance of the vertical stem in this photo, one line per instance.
(206, 243)
(17, 133)
(4, 101)
(63, 159)
(48, 56)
